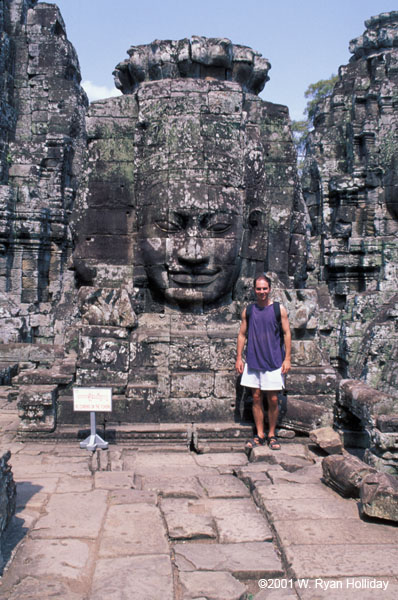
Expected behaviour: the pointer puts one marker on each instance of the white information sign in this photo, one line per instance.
(92, 399)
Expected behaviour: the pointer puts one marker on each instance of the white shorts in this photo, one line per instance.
(263, 380)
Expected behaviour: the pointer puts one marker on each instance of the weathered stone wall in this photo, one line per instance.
(43, 134)
(131, 230)
(350, 189)
(8, 494)
(191, 189)
(367, 419)
(349, 176)
(7, 113)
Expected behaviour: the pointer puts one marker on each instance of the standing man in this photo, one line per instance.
(266, 360)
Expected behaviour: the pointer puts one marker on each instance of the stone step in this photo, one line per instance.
(43, 377)
(30, 352)
(248, 560)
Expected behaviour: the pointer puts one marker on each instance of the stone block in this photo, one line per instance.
(328, 439)
(288, 462)
(102, 378)
(363, 401)
(192, 409)
(42, 377)
(107, 126)
(105, 248)
(188, 519)
(224, 486)
(337, 560)
(379, 496)
(230, 525)
(386, 462)
(303, 416)
(318, 509)
(312, 381)
(192, 354)
(29, 587)
(106, 480)
(19, 352)
(334, 531)
(248, 560)
(387, 423)
(345, 474)
(192, 384)
(62, 509)
(215, 585)
(385, 441)
(178, 487)
(224, 384)
(37, 407)
(48, 559)
(106, 307)
(150, 354)
(152, 572)
(306, 353)
(134, 529)
(104, 353)
(152, 328)
(123, 496)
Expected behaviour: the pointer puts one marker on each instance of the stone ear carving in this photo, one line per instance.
(255, 240)
(256, 220)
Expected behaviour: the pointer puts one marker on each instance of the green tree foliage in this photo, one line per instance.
(316, 93)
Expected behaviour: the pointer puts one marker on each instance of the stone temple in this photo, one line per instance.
(131, 230)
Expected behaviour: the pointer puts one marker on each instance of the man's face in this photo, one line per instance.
(189, 240)
(262, 290)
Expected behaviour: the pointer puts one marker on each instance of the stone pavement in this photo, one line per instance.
(134, 523)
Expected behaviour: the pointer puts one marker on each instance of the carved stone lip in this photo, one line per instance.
(192, 279)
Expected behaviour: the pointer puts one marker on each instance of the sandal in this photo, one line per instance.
(273, 443)
(255, 442)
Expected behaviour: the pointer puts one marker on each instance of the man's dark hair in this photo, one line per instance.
(262, 276)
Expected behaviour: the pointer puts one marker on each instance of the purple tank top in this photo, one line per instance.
(264, 351)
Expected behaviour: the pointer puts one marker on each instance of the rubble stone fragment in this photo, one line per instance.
(345, 473)
(379, 496)
(327, 439)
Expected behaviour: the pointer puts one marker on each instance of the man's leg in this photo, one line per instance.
(258, 411)
(273, 410)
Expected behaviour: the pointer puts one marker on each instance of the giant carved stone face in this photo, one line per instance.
(189, 239)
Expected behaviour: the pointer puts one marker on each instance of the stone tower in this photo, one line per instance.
(191, 190)
(42, 140)
(350, 187)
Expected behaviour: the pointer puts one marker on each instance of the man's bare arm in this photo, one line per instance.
(240, 365)
(287, 338)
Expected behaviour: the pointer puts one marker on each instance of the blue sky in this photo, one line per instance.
(305, 41)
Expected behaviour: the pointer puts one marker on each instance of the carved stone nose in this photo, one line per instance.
(193, 252)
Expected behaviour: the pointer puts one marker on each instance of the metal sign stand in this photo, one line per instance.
(93, 441)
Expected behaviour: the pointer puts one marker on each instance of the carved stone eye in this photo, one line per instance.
(216, 223)
(169, 226)
(219, 227)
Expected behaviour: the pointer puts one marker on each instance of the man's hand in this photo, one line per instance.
(286, 366)
(239, 366)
